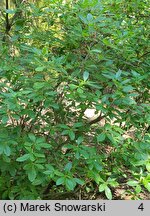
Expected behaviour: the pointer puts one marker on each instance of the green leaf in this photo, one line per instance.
(93, 84)
(128, 88)
(109, 76)
(118, 74)
(7, 150)
(32, 137)
(77, 125)
(70, 184)
(58, 173)
(147, 186)
(79, 181)
(71, 134)
(23, 158)
(31, 174)
(45, 145)
(50, 169)
(89, 17)
(108, 193)
(80, 91)
(84, 153)
(38, 181)
(40, 140)
(1, 149)
(63, 126)
(5, 119)
(113, 183)
(138, 189)
(65, 132)
(80, 140)
(9, 11)
(37, 155)
(68, 166)
(60, 181)
(96, 51)
(102, 187)
(16, 117)
(84, 20)
(77, 155)
(101, 137)
(148, 167)
(98, 166)
(39, 69)
(38, 85)
(107, 42)
(85, 75)
(48, 172)
(45, 51)
(39, 166)
(27, 166)
(73, 87)
(132, 183)
(55, 106)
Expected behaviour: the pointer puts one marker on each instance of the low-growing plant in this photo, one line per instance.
(57, 60)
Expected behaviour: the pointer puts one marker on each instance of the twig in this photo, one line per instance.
(8, 26)
(99, 118)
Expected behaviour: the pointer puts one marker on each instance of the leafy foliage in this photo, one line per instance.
(58, 59)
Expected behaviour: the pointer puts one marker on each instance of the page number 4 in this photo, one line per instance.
(141, 207)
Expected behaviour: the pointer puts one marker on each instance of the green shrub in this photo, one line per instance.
(58, 60)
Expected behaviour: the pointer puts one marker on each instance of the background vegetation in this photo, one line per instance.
(57, 59)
